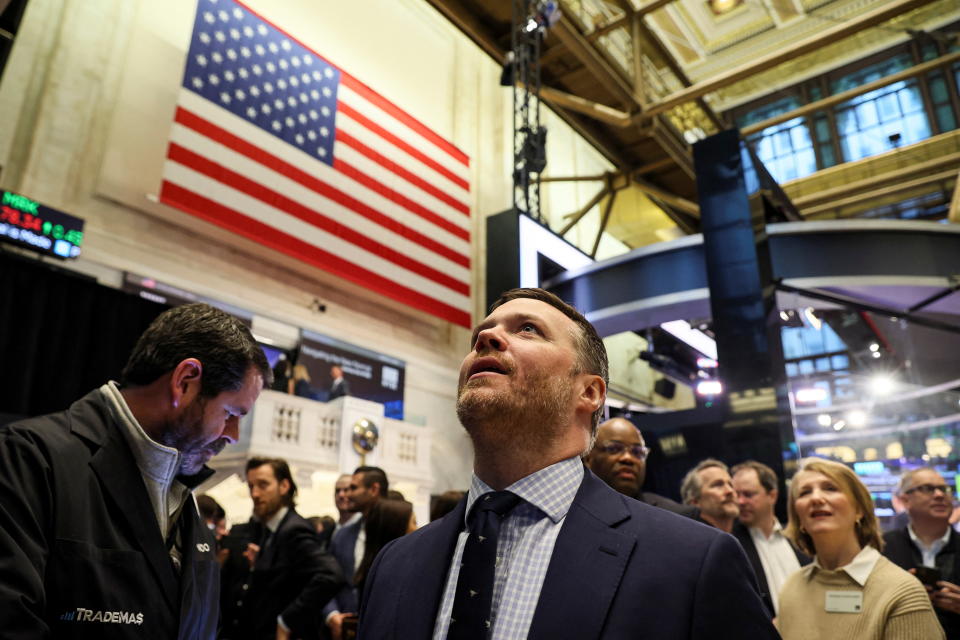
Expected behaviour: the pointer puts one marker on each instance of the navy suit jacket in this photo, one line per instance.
(620, 569)
(342, 548)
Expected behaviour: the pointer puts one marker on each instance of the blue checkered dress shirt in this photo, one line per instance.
(527, 536)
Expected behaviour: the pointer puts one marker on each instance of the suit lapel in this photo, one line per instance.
(121, 480)
(420, 598)
(588, 551)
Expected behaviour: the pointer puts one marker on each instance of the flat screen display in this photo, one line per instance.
(29, 224)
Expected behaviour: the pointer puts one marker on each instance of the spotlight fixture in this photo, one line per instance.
(709, 388)
(874, 347)
(824, 420)
(838, 425)
(881, 385)
(857, 418)
(810, 395)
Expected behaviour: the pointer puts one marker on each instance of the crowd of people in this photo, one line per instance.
(555, 537)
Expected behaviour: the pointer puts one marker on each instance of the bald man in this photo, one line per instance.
(619, 458)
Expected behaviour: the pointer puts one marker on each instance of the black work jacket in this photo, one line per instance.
(81, 555)
(901, 550)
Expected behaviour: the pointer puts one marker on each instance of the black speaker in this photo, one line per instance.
(665, 387)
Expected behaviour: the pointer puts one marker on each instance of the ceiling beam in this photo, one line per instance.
(869, 19)
(675, 201)
(595, 110)
(468, 23)
(568, 34)
(867, 197)
(953, 215)
(919, 69)
(949, 161)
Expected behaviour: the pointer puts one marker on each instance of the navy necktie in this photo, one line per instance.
(470, 618)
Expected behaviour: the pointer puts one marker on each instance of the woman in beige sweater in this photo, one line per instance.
(850, 591)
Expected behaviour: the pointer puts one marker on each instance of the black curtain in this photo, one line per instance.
(61, 335)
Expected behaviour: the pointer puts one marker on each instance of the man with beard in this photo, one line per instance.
(278, 575)
(709, 487)
(928, 542)
(99, 530)
(619, 458)
(540, 547)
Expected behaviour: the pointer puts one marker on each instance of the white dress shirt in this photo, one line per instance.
(929, 553)
(777, 557)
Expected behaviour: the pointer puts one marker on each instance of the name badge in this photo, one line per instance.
(844, 601)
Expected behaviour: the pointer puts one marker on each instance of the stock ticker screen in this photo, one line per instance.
(27, 223)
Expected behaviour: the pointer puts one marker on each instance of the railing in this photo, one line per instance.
(317, 436)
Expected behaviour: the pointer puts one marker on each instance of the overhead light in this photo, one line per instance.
(706, 363)
(881, 385)
(810, 395)
(874, 347)
(824, 420)
(838, 425)
(784, 316)
(684, 332)
(857, 418)
(709, 388)
(876, 354)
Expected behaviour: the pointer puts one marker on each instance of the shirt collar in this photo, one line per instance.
(777, 528)
(277, 518)
(551, 489)
(158, 462)
(859, 568)
(937, 544)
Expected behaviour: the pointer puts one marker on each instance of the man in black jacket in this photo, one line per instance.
(771, 554)
(99, 531)
(929, 541)
(277, 576)
(619, 458)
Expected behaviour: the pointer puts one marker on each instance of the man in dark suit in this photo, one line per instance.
(619, 458)
(339, 386)
(368, 485)
(549, 550)
(929, 541)
(771, 554)
(277, 576)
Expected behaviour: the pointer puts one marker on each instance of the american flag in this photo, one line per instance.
(276, 144)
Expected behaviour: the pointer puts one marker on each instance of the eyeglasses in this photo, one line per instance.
(615, 448)
(930, 489)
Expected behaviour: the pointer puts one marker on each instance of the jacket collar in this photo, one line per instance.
(589, 550)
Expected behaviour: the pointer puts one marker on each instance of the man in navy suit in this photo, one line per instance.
(368, 485)
(573, 558)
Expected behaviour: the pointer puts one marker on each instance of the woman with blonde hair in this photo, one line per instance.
(850, 590)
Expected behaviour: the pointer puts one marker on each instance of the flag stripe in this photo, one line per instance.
(345, 109)
(294, 227)
(390, 231)
(346, 138)
(372, 191)
(268, 196)
(256, 152)
(358, 103)
(216, 213)
(381, 177)
(403, 117)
